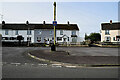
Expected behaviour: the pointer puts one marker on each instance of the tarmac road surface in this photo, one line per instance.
(38, 71)
(16, 64)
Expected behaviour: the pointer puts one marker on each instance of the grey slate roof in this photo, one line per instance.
(108, 26)
(39, 26)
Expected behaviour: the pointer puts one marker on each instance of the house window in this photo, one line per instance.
(107, 32)
(39, 39)
(16, 32)
(28, 38)
(107, 39)
(3, 38)
(68, 38)
(45, 40)
(59, 38)
(6, 32)
(73, 32)
(29, 32)
(118, 39)
(51, 32)
(114, 39)
(39, 32)
(61, 32)
(52, 38)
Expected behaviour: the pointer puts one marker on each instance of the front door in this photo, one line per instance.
(64, 39)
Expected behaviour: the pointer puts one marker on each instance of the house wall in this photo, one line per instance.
(113, 33)
(68, 33)
(45, 34)
(11, 33)
(65, 32)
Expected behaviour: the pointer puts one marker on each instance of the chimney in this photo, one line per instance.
(27, 22)
(110, 21)
(43, 22)
(3, 22)
(68, 23)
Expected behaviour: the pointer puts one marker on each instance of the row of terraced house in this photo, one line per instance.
(39, 33)
(65, 33)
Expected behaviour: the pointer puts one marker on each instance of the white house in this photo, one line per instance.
(110, 32)
(39, 33)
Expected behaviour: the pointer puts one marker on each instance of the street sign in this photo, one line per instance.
(54, 23)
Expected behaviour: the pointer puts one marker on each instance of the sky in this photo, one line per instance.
(87, 15)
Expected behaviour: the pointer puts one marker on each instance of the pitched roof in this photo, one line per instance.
(40, 26)
(108, 26)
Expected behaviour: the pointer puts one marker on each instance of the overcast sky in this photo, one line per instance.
(87, 15)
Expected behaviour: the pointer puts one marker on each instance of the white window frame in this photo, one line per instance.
(39, 32)
(106, 38)
(51, 32)
(29, 32)
(6, 32)
(114, 39)
(16, 32)
(107, 32)
(73, 32)
(61, 32)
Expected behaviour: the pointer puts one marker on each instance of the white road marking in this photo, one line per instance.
(43, 64)
(71, 66)
(32, 64)
(16, 63)
(25, 63)
(56, 64)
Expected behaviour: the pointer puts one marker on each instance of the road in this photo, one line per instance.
(38, 71)
(16, 64)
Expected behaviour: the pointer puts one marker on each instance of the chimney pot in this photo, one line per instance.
(110, 21)
(68, 22)
(27, 22)
(3, 22)
(43, 22)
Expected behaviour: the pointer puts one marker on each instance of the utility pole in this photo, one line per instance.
(53, 47)
(54, 20)
(28, 31)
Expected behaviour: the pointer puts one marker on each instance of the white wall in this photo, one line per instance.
(45, 33)
(67, 33)
(113, 33)
(11, 33)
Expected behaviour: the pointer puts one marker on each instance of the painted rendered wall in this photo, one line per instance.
(68, 33)
(45, 34)
(11, 33)
(113, 33)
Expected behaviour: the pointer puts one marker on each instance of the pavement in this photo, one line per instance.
(66, 58)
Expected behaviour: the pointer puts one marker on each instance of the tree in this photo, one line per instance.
(93, 37)
(86, 37)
